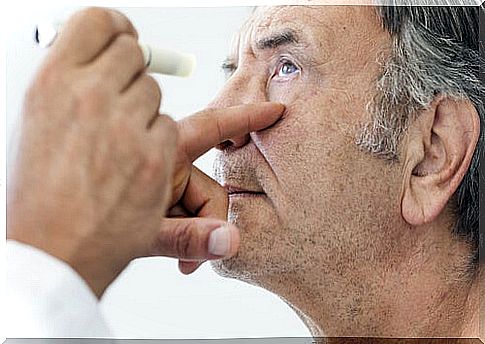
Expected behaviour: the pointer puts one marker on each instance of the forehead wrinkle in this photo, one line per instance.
(238, 42)
(312, 32)
(245, 37)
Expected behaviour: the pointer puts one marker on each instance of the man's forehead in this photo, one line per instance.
(311, 23)
(266, 21)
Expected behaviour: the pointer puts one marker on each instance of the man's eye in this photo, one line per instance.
(286, 68)
(228, 69)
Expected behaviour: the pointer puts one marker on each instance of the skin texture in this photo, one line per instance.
(358, 246)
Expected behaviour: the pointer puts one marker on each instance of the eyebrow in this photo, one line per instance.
(276, 40)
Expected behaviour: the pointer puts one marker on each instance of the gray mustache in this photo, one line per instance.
(236, 169)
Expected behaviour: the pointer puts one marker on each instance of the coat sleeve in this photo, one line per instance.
(46, 298)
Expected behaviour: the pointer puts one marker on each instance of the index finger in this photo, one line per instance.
(88, 32)
(206, 129)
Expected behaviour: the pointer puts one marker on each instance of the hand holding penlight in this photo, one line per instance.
(157, 60)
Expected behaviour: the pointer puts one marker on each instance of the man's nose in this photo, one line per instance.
(240, 89)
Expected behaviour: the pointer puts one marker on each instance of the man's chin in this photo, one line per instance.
(236, 268)
(260, 232)
(253, 270)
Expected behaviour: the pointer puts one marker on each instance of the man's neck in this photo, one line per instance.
(420, 300)
(475, 325)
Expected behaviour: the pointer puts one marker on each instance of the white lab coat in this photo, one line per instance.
(46, 298)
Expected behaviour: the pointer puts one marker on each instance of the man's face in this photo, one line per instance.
(317, 204)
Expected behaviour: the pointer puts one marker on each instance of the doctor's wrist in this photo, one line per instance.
(97, 268)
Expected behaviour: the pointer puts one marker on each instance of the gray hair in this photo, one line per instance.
(435, 51)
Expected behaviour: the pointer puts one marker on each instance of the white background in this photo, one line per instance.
(151, 299)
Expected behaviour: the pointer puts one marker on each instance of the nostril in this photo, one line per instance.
(224, 145)
(236, 142)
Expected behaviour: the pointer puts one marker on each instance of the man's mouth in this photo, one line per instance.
(236, 191)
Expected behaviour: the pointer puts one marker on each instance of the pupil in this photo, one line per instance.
(287, 68)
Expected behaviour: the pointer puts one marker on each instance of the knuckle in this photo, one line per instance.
(168, 123)
(152, 88)
(103, 21)
(171, 133)
(124, 48)
(183, 238)
(127, 42)
(101, 18)
(132, 49)
(149, 93)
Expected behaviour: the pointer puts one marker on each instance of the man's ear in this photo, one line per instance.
(439, 149)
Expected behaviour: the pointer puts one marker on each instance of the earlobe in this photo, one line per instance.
(411, 210)
(439, 149)
(422, 202)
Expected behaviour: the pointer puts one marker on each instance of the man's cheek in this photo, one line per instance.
(281, 93)
(293, 127)
(299, 139)
(289, 93)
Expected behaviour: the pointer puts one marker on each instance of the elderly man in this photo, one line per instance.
(360, 207)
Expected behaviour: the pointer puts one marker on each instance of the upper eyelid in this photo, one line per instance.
(284, 59)
(300, 57)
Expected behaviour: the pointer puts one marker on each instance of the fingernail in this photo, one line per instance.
(220, 241)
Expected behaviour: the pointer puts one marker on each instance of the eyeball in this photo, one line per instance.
(286, 69)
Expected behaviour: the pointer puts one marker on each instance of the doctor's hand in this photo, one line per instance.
(91, 183)
(196, 229)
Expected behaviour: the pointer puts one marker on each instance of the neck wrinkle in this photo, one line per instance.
(422, 306)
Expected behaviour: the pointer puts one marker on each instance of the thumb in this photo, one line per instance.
(196, 239)
(189, 266)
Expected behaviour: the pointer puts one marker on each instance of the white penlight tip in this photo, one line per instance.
(168, 62)
(187, 65)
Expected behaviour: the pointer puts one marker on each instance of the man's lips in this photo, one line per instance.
(241, 191)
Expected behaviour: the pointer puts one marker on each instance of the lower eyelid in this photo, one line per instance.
(286, 78)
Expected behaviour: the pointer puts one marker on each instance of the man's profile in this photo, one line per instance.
(360, 206)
